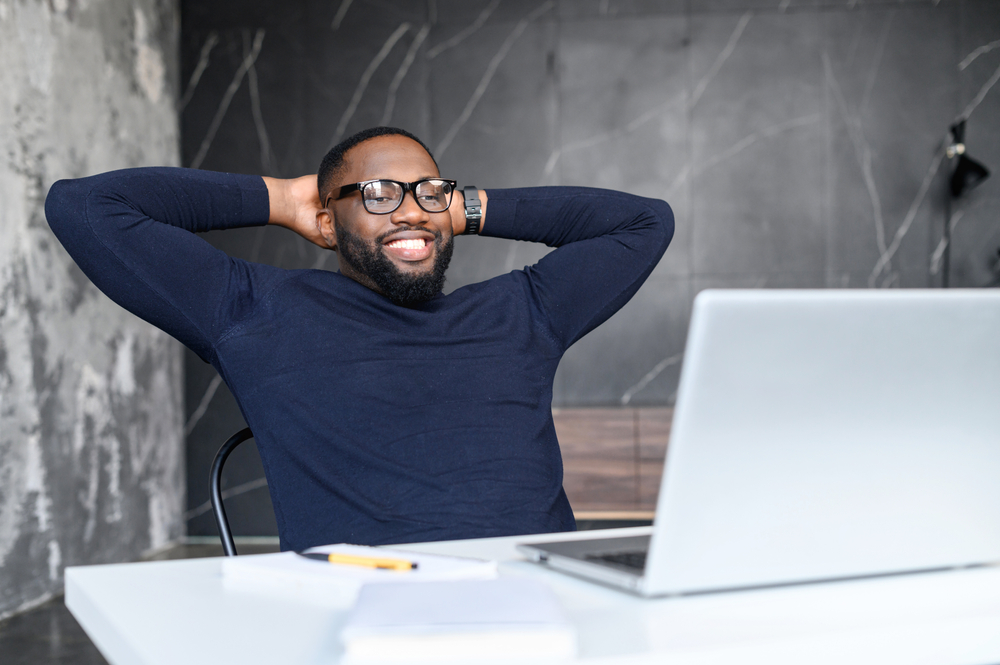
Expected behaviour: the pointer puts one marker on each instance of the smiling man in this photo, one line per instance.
(384, 411)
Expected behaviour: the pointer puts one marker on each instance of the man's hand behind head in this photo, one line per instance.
(295, 205)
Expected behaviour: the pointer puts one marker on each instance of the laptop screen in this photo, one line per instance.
(828, 434)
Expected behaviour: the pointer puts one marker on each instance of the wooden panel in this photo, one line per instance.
(600, 484)
(650, 474)
(599, 457)
(654, 435)
(654, 432)
(603, 433)
(612, 516)
(613, 457)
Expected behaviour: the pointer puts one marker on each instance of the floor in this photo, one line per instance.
(46, 634)
(49, 635)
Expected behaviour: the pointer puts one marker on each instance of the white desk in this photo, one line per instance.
(177, 612)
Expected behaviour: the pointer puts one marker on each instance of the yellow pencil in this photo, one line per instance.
(364, 561)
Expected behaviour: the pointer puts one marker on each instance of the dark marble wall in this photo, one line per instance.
(91, 404)
(800, 143)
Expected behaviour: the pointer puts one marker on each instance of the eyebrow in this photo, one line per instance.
(423, 177)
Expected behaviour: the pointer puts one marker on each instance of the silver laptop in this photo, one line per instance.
(817, 436)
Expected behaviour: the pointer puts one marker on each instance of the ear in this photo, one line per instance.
(327, 228)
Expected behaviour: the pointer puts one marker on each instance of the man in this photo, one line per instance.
(383, 410)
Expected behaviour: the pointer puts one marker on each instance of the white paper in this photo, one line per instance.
(289, 574)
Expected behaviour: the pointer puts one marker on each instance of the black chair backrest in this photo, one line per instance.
(228, 545)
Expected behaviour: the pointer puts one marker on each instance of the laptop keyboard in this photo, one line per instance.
(635, 559)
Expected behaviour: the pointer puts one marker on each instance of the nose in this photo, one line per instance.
(409, 212)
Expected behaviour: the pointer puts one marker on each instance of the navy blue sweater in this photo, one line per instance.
(376, 423)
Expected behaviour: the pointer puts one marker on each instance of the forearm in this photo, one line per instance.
(186, 198)
(558, 216)
(132, 234)
(609, 243)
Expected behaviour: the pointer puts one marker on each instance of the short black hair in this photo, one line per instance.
(333, 162)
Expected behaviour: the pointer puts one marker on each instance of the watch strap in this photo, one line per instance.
(473, 210)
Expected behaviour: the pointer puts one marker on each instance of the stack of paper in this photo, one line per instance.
(505, 620)
(289, 574)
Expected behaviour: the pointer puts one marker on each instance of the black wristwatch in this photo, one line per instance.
(473, 210)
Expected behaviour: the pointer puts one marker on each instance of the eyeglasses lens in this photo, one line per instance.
(434, 195)
(382, 196)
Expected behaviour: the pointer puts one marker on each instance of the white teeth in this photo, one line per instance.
(411, 243)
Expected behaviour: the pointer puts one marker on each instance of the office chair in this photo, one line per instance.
(215, 480)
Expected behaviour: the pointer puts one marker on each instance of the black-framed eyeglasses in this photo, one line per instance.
(380, 197)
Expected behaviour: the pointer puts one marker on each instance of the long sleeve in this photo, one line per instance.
(132, 233)
(608, 244)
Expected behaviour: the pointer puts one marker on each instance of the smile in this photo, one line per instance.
(410, 246)
(415, 243)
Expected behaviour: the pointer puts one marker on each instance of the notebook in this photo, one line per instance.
(817, 436)
(507, 620)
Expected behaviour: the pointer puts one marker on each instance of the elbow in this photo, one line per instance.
(662, 217)
(64, 202)
(61, 193)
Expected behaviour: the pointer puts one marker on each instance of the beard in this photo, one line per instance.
(402, 288)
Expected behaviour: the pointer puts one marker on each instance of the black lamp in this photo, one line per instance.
(968, 172)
